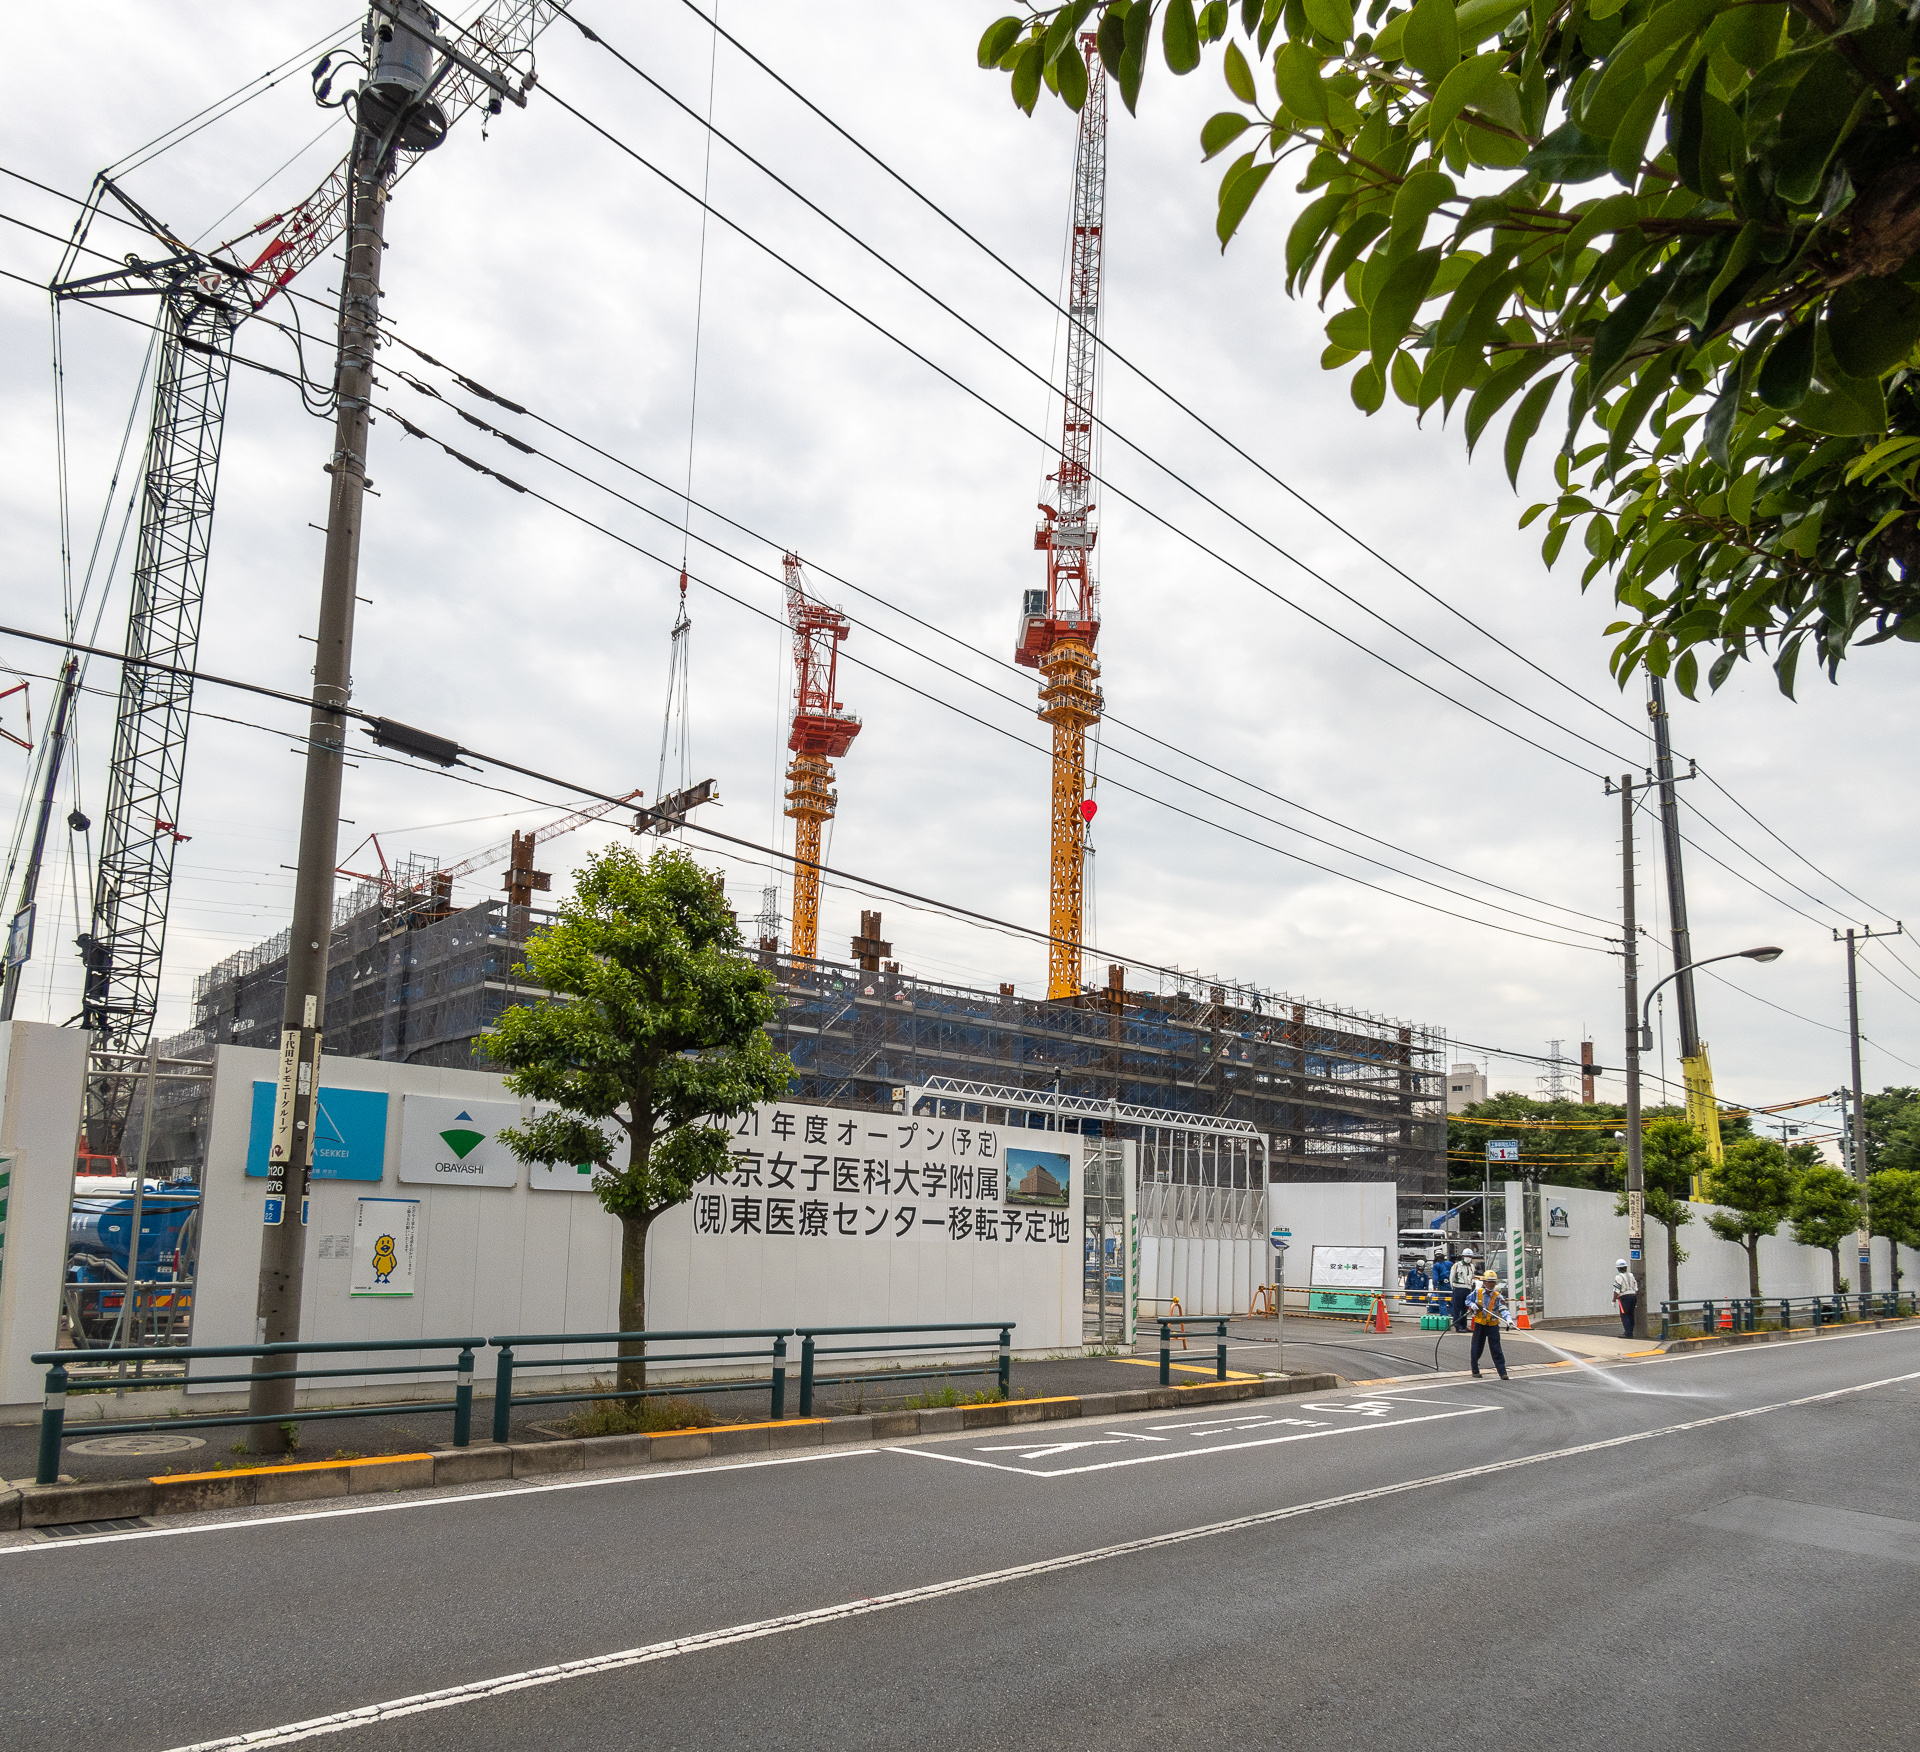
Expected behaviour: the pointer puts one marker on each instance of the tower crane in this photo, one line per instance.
(1059, 625)
(822, 733)
(418, 85)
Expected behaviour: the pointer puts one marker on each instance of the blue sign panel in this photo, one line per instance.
(350, 1134)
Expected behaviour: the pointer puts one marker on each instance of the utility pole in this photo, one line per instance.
(20, 930)
(404, 107)
(1865, 1284)
(1636, 1167)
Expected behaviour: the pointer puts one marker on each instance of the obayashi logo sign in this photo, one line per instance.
(445, 1141)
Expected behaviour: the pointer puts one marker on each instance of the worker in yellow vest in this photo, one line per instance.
(1488, 1310)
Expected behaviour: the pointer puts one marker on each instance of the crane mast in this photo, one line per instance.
(822, 732)
(1059, 626)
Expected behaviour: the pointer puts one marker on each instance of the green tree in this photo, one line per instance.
(1727, 323)
(1753, 1186)
(1893, 1128)
(1672, 1153)
(1893, 1210)
(656, 1029)
(1825, 1209)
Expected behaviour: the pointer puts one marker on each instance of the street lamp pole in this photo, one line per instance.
(1767, 953)
(1636, 1165)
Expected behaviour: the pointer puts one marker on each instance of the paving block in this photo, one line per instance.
(796, 1435)
(1053, 1409)
(415, 1472)
(537, 1459)
(9, 1510)
(993, 1417)
(1137, 1401)
(851, 1429)
(751, 1441)
(630, 1450)
(886, 1425)
(473, 1465)
(1099, 1404)
(1022, 1412)
(942, 1420)
(682, 1445)
(203, 1493)
(49, 1505)
(301, 1484)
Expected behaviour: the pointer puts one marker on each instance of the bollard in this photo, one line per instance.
(779, 1378)
(463, 1400)
(1220, 1356)
(1166, 1354)
(503, 1395)
(1006, 1362)
(53, 1417)
(806, 1376)
(1786, 1313)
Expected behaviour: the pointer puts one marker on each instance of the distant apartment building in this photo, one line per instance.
(1466, 1084)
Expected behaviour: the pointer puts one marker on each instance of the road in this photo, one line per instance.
(1714, 1551)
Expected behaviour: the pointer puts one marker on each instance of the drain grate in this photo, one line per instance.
(80, 1529)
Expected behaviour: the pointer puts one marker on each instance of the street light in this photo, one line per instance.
(1766, 953)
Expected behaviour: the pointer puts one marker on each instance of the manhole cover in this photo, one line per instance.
(150, 1442)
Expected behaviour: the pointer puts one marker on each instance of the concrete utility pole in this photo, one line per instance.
(1636, 1166)
(20, 929)
(1865, 1285)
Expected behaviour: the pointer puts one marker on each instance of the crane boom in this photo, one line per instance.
(1059, 626)
(822, 732)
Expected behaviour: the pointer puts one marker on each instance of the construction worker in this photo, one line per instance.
(1417, 1282)
(1626, 1296)
(1461, 1282)
(1489, 1311)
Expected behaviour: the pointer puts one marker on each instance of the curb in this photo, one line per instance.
(184, 1493)
(1721, 1340)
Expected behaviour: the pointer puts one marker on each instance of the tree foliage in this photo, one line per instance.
(655, 1030)
(1754, 1187)
(1825, 1210)
(1893, 1210)
(1672, 1155)
(1893, 1128)
(1723, 327)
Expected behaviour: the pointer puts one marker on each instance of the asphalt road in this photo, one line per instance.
(1725, 1555)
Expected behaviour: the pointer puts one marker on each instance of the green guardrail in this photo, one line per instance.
(1217, 1321)
(811, 1350)
(509, 1365)
(1749, 1313)
(53, 1411)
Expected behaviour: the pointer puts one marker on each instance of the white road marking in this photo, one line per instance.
(480, 1691)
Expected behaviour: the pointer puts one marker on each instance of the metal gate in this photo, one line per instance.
(1110, 1256)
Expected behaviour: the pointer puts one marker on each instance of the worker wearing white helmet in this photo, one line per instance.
(1626, 1296)
(1462, 1287)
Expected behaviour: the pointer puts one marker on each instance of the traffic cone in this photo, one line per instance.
(1726, 1319)
(1379, 1322)
(1523, 1324)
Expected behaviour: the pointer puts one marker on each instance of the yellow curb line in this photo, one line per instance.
(296, 1466)
(1184, 1368)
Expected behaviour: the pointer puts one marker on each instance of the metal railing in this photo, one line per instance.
(1219, 1324)
(54, 1407)
(811, 1350)
(509, 1364)
(1753, 1314)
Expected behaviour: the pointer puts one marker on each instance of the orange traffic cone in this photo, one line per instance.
(1523, 1323)
(1379, 1322)
(1726, 1319)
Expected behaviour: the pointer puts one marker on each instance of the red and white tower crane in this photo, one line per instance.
(822, 732)
(1058, 626)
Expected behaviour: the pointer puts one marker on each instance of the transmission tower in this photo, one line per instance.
(1059, 625)
(822, 733)
(1556, 1081)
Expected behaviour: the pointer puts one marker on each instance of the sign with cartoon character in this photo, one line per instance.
(384, 1231)
(445, 1141)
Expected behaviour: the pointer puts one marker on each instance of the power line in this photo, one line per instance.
(1006, 699)
(1109, 485)
(1802, 856)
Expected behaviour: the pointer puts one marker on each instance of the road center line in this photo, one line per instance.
(394, 1709)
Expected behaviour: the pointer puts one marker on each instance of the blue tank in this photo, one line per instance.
(101, 1228)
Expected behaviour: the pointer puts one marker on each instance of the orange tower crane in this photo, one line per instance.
(822, 733)
(1058, 626)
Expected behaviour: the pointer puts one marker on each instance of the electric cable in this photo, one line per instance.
(419, 432)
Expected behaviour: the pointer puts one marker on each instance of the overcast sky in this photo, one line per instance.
(547, 265)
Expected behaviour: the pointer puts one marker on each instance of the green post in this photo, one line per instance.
(503, 1394)
(806, 1376)
(463, 1400)
(1220, 1366)
(779, 1378)
(53, 1417)
(1166, 1354)
(1006, 1362)
(1786, 1313)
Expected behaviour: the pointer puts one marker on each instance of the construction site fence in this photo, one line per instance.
(1781, 1313)
(53, 1411)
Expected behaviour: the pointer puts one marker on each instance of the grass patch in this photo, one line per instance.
(638, 1417)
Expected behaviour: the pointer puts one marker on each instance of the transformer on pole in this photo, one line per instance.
(1058, 626)
(822, 732)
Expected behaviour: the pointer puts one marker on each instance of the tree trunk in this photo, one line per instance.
(1753, 1266)
(1673, 1262)
(1834, 1250)
(633, 1298)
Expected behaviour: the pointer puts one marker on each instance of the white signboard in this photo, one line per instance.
(445, 1141)
(574, 1176)
(384, 1231)
(824, 1176)
(1349, 1268)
